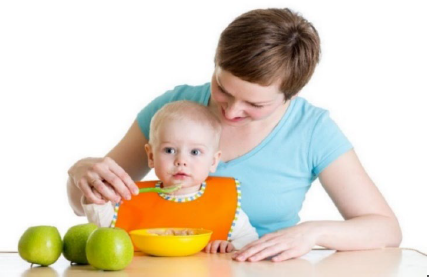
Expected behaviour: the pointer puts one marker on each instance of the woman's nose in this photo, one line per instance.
(233, 110)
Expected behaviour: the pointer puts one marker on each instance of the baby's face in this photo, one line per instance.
(184, 153)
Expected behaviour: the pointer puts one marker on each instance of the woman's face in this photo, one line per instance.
(239, 102)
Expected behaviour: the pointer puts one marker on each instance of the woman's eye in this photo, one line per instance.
(221, 90)
(256, 106)
(195, 152)
(169, 150)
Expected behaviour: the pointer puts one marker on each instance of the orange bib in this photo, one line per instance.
(214, 208)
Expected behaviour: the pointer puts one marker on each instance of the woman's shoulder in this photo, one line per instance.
(303, 110)
(198, 94)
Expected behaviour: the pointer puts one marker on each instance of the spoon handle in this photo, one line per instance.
(160, 190)
(143, 190)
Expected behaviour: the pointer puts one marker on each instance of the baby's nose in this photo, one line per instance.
(180, 161)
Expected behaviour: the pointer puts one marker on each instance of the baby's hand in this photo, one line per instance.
(219, 246)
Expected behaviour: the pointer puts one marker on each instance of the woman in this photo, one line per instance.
(274, 142)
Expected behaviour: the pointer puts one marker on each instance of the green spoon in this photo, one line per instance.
(160, 190)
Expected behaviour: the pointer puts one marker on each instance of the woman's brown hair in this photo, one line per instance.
(265, 45)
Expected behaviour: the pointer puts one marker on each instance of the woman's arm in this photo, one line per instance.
(130, 153)
(369, 221)
(111, 177)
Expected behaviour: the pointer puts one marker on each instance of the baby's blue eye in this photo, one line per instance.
(169, 150)
(195, 152)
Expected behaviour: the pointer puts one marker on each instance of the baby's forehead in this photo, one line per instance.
(186, 129)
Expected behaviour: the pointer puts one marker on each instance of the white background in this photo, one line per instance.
(74, 75)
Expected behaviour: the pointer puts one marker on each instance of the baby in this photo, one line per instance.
(183, 149)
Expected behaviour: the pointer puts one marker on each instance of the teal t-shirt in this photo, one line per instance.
(276, 174)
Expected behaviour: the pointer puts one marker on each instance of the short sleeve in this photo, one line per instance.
(199, 94)
(327, 143)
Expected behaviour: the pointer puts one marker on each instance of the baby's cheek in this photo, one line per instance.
(200, 176)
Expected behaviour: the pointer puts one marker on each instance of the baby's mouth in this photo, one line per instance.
(180, 175)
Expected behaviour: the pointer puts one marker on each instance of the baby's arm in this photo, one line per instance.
(99, 214)
(243, 232)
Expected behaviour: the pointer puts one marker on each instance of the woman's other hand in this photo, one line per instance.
(101, 180)
(282, 245)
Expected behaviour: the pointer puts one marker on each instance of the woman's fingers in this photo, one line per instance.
(248, 252)
(265, 238)
(120, 172)
(105, 191)
(267, 252)
(102, 179)
(88, 192)
(281, 245)
(114, 175)
(112, 189)
(286, 255)
(97, 194)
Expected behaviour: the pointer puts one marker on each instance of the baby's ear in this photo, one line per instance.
(216, 159)
(149, 153)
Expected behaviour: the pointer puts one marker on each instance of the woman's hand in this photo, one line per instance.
(101, 179)
(219, 246)
(282, 245)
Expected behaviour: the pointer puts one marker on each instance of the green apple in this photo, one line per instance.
(75, 242)
(40, 245)
(109, 249)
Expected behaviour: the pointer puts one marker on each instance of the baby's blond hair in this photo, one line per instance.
(185, 110)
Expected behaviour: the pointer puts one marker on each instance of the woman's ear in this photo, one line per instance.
(149, 153)
(216, 159)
